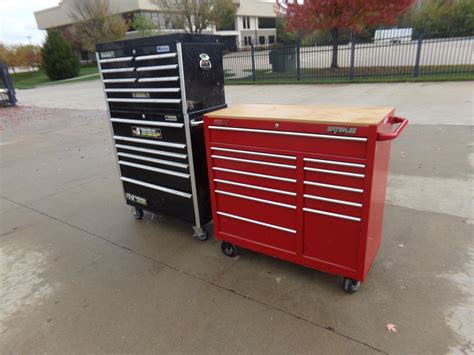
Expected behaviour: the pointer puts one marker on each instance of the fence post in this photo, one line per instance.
(252, 53)
(298, 59)
(416, 71)
(353, 48)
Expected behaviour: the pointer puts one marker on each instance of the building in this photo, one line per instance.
(254, 23)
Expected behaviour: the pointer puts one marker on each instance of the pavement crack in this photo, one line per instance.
(212, 283)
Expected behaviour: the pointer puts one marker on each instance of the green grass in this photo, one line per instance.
(26, 80)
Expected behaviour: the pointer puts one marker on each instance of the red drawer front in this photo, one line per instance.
(333, 205)
(341, 164)
(334, 177)
(282, 170)
(289, 140)
(337, 192)
(253, 154)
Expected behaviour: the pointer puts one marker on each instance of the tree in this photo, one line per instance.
(143, 25)
(59, 60)
(338, 15)
(196, 15)
(95, 22)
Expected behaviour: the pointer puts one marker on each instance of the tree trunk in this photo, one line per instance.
(335, 42)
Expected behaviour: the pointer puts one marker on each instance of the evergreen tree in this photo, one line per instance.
(59, 60)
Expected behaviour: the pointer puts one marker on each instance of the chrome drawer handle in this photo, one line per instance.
(250, 198)
(335, 187)
(156, 187)
(289, 157)
(331, 214)
(256, 222)
(333, 200)
(334, 172)
(334, 162)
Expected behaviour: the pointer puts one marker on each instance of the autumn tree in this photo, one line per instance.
(196, 15)
(95, 22)
(339, 15)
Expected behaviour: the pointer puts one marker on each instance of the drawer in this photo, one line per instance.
(254, 154)
(331, 205)
(150, 130)
(171, 118)
(289, 140)
(334, 177)
(337, 192)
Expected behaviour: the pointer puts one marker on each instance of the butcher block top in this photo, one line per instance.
(306, 113)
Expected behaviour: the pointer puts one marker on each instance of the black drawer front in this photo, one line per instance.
(150, 132)
(159, 202)
(150, 114)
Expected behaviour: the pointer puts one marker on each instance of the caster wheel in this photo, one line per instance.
(350, 285)
(137, 213)
(200, 234)
(229, 249)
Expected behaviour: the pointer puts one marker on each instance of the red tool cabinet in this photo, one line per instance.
(301, 183)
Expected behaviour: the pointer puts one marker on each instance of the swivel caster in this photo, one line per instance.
(137, 213)
(229, 249)
(351, 285)
(200, 233)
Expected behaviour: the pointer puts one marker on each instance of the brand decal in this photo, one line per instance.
(171, 118)
(109, 54)
(147, 132)
(162, 49)
(136, 199)
(346, 130)
(138, 95)
(204, 62)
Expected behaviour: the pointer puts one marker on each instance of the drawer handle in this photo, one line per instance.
(153, 160)
(115, 60)
(151, 151)
(289, 157)
(333, 200)
(257, 162)
(334, 172)
(156, 187)
(334, 162)
(155, 56)
(245, 197)
(158, 67)
(389, 136)
(331, 214)
(335, 187)
(240, 172)
(148, 141)
(156, 170)
(235, 183)
(256, 222)
(148, 123)
(196, 123)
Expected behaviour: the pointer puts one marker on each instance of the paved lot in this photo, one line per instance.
(79, 274)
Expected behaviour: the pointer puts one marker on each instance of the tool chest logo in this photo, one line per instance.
(205, 62)
(346, 130)
(146, 132)
(136, 199)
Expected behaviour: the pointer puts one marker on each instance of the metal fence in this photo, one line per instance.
(357, 59)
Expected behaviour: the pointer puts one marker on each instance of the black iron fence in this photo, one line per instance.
(387, 57)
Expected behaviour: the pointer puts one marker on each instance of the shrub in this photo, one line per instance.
(59, 60)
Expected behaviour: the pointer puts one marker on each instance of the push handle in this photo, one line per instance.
(389, 136)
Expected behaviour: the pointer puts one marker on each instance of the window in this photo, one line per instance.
(229, 27)
(271, 39)
(261, 40)
(247, 40)
(266, 22)
(246, 22)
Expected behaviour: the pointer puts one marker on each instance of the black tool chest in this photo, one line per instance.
(157, 90)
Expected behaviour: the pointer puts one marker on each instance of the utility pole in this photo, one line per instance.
(29, 39)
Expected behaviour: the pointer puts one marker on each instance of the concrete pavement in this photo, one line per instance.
(79, 274)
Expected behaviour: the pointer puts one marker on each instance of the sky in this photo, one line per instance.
(17, 21)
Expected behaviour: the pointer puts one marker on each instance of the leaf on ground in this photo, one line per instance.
(392, 328)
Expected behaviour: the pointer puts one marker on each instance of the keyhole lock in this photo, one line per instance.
(277, 125)
(143, 116)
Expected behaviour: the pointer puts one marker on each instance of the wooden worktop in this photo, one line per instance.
(306, 113)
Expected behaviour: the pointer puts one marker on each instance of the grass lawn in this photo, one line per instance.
(26, 80)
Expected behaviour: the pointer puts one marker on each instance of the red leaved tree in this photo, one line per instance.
(338, 15)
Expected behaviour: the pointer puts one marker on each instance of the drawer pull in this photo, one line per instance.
(147, 101)
(145, 90)
(153, 160)
(163, 78)
(240, 172)
(334, 162)
(158, 67)
(254, 153)
(148, 123)
(156, 170)
(123, 80)
(333, 200)
(256, 222)
(282, 192)
(334, 172)
(155, 56)
(148, 141)
(115, 60)
(245, 197)
(335, 187)
(257, 162)
(287, 133)
(330, 214)
(118, 70)
(156, 187)
(151, 151)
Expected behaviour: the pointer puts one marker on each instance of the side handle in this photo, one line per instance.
(196, 123)
(389, 136)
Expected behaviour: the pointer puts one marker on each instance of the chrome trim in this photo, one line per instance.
(156, 187)
(332, 200)
(118, 70)
(155, 56)
(334, 162)
(122, 80)
(151, 151)
(163, 78)
(271, 177)
(335, 187)
(256, 222)
(144, 90)
(245, 197)
(115, 60)
(337, 215)
(282, 192)
(156, 170)
(289, 157)
(287, 133)
(158, 67)
(334, 172)
(196, 123)
(257, 162)
(148, 141)
(148, 101)
(153, 160)
(148, 123)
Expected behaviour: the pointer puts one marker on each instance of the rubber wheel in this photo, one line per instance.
(137, 213)
(229, 249)
(201, 235)
(350, 285)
